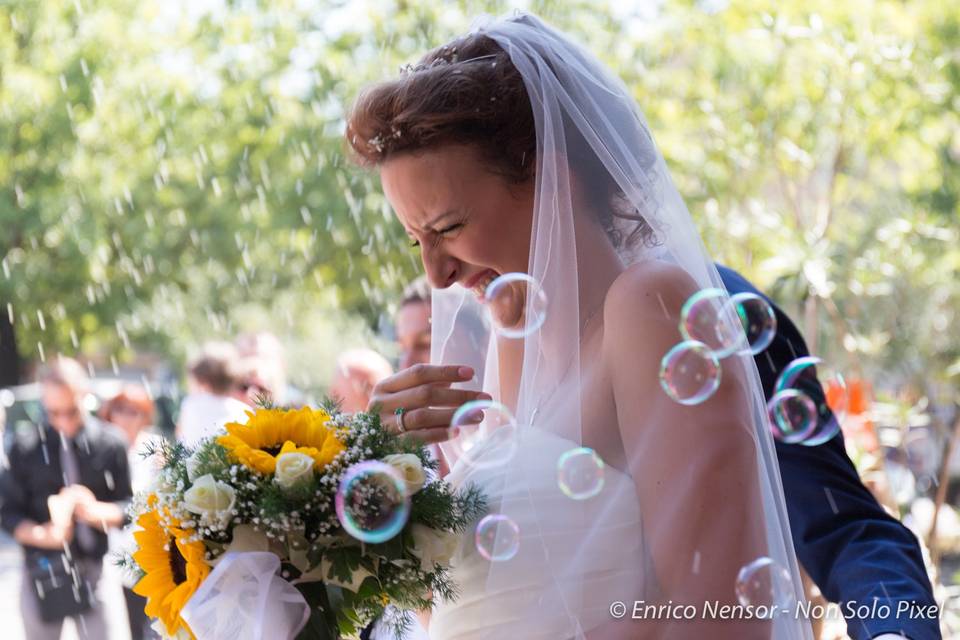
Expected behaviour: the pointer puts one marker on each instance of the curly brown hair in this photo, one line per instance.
(469, 92)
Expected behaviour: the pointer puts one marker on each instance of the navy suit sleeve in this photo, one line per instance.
(855, 552)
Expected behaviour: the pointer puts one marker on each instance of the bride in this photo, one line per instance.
(633, 486)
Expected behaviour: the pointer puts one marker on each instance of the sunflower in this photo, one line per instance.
(173, 566)
(270, 433)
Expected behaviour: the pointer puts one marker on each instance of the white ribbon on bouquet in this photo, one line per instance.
(243, 598)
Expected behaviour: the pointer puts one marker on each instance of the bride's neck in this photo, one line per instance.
(598, 265)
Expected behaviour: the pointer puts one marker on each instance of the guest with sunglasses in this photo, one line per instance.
(66, 485)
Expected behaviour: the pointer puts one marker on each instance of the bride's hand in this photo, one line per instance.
(423, 392)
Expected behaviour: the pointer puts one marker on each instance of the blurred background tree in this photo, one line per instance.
(175, 171)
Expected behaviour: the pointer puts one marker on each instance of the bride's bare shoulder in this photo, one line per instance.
(645, 290)
(641, 323)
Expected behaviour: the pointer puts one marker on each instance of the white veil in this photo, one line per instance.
(673, 543)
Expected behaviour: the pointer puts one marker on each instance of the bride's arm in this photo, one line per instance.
(695, 467)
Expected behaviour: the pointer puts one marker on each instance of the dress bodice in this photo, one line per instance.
(575, 556)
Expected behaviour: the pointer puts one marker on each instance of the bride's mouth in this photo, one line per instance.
(478, 284)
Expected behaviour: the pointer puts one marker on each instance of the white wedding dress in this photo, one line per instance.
(614, 553)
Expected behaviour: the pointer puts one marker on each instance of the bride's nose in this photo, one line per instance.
(441, 268)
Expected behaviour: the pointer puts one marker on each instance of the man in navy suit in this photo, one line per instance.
(857, 554)
(854, 551)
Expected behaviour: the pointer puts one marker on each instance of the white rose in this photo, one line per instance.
(410, 468)
(293, 468)
(211, 499)
(433, 546)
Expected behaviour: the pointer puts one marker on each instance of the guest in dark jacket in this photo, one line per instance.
(67, 483)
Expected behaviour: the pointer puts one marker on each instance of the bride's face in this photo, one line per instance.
(471, 225)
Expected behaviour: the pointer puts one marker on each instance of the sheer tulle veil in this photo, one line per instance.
(569, 555)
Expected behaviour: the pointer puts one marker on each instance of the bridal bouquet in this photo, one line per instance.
(302, 523)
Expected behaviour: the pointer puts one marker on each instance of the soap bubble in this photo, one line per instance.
(690, 372)
(517, 303)
(497, 538)
(804, 374)
(708, 317)
(372, 502)
(580, 473)
(764, 583)
(483, 433)
(793, 415)
(757, 319)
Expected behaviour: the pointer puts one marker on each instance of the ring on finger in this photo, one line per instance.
(398, 414)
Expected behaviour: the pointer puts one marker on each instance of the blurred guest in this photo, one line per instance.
(265, 351)
(208, 405)
(413, 324)
(67, 483)
(358, 370)
(132, 410)
(413, 333)
(414, 337)
(257, 380)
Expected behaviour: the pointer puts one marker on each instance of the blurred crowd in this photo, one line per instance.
(69, 472)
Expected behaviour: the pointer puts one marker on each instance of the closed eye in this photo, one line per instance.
(440, 232)
(450, 229)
